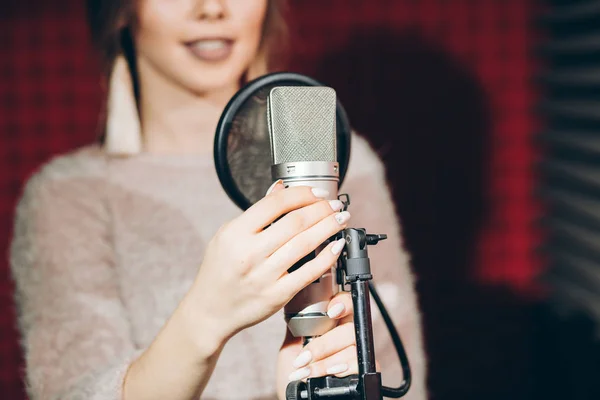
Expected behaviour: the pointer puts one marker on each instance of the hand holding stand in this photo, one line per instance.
(354, 269)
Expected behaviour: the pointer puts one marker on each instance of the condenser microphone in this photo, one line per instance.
(302, 130)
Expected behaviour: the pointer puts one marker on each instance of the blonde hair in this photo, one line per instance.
(109, 21)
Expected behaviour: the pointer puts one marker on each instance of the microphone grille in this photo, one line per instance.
(302, 124)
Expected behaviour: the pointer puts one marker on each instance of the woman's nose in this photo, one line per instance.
(211, 9)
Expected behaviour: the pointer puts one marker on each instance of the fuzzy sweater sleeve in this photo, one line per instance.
(74, 330)
(372, 208)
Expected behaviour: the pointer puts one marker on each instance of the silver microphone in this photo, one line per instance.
(302, 131)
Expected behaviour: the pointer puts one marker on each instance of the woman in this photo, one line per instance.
(137, 278)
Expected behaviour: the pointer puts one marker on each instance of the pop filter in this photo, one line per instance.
(242, 149)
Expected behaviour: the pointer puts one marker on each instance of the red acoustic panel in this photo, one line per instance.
(491, 41)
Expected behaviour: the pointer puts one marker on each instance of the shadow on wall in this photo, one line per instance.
(428, 117)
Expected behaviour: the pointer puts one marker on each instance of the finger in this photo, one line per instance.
(290, 284)
(324, 346)
(341, 364)
(278, 203)
(340, 306)
(295, 223)
(307, 241)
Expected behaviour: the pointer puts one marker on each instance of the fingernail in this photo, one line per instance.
(336, 205)
(337, 369)
(338, 246)
(299, 374)
(303, 359)
(342, 217)
(273, 186)
(321, 193)
(336, 310)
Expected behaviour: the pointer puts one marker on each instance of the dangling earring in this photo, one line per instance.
(123, 129)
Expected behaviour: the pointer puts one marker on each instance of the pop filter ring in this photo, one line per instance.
(343, 129)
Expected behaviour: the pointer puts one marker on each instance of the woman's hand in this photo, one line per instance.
(333, 353)
(243, 279)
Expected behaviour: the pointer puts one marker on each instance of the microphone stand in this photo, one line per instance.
(354, 269)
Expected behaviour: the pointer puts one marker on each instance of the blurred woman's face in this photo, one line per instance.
(201, 45)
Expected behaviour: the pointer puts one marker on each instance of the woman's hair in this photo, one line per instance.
(111, 23)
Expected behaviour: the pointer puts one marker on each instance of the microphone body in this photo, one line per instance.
(302, 129)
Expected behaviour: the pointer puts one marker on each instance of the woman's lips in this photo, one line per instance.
(212, 50)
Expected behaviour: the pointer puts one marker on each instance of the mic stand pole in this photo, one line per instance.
(353, 269)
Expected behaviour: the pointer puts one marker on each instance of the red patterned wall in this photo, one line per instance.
(489, 40)
(441, 88)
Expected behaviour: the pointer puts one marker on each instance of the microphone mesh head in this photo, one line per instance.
(302, 124)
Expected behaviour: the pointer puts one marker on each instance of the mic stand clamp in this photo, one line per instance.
(353, 269)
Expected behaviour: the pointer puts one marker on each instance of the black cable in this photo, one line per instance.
(405, 385)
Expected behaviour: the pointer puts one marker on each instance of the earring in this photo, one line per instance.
(123, 129)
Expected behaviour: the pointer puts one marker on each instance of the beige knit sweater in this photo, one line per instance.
(104, 248)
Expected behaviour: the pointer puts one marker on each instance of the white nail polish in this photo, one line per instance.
(321, 193)
(336, 310)
(299, 374)
(338, 246)
(273, 186)
(342, 217)
(337, 369)
(303, 359)
(336, 205)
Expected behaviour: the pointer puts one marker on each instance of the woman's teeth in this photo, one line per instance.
(210, 44)
(212, 50)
